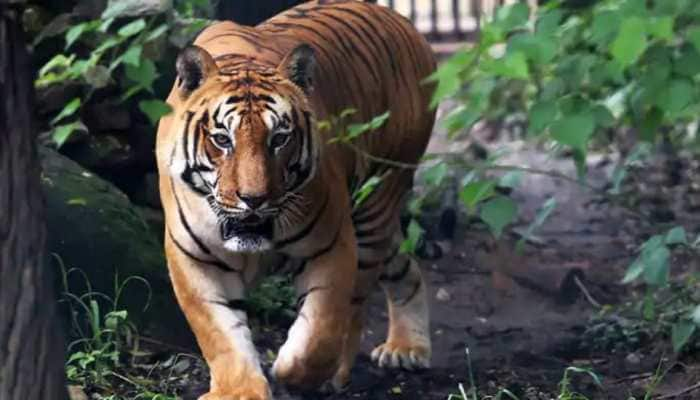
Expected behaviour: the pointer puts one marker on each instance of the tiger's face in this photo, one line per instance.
(247, 143)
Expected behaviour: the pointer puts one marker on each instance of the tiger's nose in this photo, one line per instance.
(252, 201)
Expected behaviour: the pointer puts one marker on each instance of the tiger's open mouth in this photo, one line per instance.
(250, 227)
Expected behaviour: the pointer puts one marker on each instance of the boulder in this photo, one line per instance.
(93, 227)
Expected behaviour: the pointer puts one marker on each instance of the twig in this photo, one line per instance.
(679, 392)
(586, 293)
(634, 377)
(164, 344)
(508, 168)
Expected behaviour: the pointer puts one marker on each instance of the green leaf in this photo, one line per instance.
(513, 65)
(656, 269)
(144, 74)
(631, 41)
(154, 109)
(156, 33)
(68, 110)
(105, 24)
(77, 201)
(688, 62)
(355, 130)
(574, 130)
(695, 315)
(661, 27)
(434, 175)
(61, 133)
(132, 56)
(605, 25)
(460, 120)
(74, 34)
(634, 271)
(498, 213)
(448, 73)
(414, 234)
(693, 35)
(365, 190)
(541, 115)
(542, 214)
(512, 16)
(132, 28)
(676, 236)
(676, 96)
(548, 22)
(650, 124)
(681, 332)
(475, 192)
(106, 45)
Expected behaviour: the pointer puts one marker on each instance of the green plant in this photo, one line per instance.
(115, 51)
(579, 79)
(680, 309)
(104, 340)
(273, 297)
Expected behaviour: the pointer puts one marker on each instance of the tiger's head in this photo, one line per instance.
(246, 142)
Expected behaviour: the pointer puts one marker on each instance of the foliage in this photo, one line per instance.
(578, 78)
(272, 298)
(115, 52)
(675, 306)
(104, 337)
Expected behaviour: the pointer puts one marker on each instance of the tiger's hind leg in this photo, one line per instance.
(408, 340)
(378, 231)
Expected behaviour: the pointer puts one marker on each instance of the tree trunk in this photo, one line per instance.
(31, 341)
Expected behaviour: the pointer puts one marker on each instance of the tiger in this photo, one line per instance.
(247, 176)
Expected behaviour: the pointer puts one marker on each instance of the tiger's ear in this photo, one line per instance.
(298, 66)
(194, 66)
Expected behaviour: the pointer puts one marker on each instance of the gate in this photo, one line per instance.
(446, 20)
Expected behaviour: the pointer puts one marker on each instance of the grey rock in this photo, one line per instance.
(136, 8)
(92, 226)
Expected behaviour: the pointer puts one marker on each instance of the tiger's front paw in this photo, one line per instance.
(306, 370)
(402, 354)
(251, 388)
(238, 395)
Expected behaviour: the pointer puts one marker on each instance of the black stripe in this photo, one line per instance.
(184, 222)
(370, 66)
(307, 229)
(383, 262)
(395, 277)
(186, 141)
(235, 305)
(215, 263)
(414, 292)
(387, 48)
(301, 299)
(327, 248)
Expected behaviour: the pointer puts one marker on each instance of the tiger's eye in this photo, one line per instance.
(279, 140)
(221, 140)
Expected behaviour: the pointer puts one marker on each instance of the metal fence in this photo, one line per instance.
(447, 20)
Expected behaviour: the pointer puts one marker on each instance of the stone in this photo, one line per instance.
(136, 8)
(443, 295)
(93, 226)
(102, 152)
